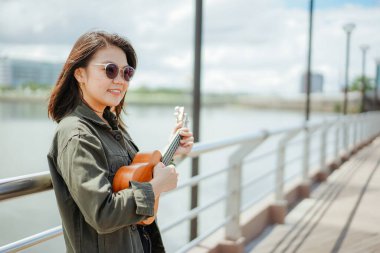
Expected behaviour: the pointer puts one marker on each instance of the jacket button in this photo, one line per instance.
(133, 227)
(118, 137)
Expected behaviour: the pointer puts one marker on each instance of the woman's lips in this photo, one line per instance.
(114, 91)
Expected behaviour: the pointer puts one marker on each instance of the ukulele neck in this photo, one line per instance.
(169, 152)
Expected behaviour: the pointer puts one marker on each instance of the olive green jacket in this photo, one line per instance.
(83, 159)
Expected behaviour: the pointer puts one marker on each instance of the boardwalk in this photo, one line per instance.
(341, 215)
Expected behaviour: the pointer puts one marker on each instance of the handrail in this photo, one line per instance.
(24, 185)
(193, 213)
(32, 240)
(362, 128)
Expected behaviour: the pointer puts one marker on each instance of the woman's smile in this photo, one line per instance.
(115, 92)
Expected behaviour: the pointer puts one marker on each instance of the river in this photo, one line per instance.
(26, 134)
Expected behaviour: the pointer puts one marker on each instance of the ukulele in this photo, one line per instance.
(142, 166)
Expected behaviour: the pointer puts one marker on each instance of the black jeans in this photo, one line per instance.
(145, 239)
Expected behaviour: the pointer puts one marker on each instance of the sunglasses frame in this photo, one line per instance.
(118, 70)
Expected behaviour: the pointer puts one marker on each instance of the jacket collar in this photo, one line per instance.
(84, 111)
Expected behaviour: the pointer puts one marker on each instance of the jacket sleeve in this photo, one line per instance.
(83, 166)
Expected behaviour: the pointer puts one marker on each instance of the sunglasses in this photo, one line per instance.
(112, 70)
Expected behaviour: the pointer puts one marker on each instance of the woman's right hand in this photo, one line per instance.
(164, 178)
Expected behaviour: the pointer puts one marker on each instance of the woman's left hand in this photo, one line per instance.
(187, 140)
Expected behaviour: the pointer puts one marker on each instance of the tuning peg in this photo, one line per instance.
(176, 111)
(186, 121)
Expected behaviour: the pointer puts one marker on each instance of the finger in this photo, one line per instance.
(189, 144)
(184, 142)
(187, 139)
(185, 132)
(179, 125)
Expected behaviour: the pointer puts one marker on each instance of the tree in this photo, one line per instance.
(356, 85)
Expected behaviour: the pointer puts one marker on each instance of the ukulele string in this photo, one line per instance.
(170, 152)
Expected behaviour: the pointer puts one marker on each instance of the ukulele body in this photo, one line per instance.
(140, 170)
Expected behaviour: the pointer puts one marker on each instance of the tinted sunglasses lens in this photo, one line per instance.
(111, 71)
(128, 73)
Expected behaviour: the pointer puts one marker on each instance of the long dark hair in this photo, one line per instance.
(66, 93)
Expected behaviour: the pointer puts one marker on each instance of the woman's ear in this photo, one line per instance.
(79, 75)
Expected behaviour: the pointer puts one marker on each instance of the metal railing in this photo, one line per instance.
(348, 132)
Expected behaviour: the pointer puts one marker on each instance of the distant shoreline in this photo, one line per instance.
(318, 101)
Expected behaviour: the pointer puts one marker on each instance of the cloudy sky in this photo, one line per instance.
(248, 45)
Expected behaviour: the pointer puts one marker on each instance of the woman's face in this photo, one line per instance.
(98, 90)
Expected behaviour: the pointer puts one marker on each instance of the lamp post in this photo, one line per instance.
(377, 83)
(308, 71)
(348, 28)
(196, 109)
(364, 49)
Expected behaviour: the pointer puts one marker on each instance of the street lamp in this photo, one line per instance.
(377, 82)
(348, 28)
(308, 71)
(364, 49)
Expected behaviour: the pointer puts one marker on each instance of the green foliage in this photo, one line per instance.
(36, 86)
(337, 107)
(356, 85)
(29, 85)
(146, 90)
(6, 88)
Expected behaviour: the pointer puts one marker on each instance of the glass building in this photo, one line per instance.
(16, 72)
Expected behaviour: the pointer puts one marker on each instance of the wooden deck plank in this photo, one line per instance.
(364, 232)
(344, 219)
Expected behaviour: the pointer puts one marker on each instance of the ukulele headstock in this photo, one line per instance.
(181, 115)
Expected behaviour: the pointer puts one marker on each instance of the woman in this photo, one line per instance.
(91, 143)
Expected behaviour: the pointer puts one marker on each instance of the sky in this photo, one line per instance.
(249, 46)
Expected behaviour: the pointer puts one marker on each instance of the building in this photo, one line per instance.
(316, 83)
(17, 72)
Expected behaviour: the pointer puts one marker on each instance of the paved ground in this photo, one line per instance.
(342, 214)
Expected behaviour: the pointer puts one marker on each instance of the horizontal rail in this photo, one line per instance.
(193, 213)
(293, 160)
(256, 179)
(23, 185)
(200, 238)
(256, 200)
(195, 180)
(261, 156)
(32, 240)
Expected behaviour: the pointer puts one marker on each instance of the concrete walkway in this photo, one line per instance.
(341, 215)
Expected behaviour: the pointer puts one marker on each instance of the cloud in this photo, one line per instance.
(255, 46)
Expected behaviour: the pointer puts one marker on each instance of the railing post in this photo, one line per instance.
(279, 209)
(360, 128)
(346, 143)
(352, 134)
(337, 141)
(356, 126)
(323, 173)
(280, 172)
(306, 156)
(304, 189)
(346, 130)
(233, 203)
(363, 129)
(322, 161)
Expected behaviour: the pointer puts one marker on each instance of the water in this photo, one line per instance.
(26, 133)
